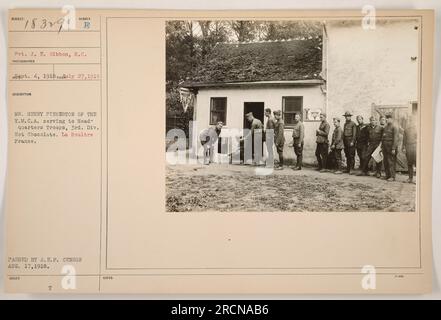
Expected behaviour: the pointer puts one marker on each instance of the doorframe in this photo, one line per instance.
(243, 111)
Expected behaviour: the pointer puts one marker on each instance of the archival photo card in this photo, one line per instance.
(219, 152)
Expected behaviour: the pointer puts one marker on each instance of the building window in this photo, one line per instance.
(292, 106)
(218, 110)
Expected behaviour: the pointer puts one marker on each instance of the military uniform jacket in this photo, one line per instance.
(323, 132)
(337, 138)
(279, 133)
(410, 135)
(362, 135)
(350, 131)
(298, 131)
(375, 134)
(390, 137)
(256, 124)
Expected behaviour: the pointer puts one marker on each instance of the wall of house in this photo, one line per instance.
(313, 98)
(366, 67)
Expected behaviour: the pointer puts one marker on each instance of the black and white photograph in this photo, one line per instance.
(292, 115)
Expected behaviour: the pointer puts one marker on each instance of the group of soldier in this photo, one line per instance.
(354, 139)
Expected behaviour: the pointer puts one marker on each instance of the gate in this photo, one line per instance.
(401, 115)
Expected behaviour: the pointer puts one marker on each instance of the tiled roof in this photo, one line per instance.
(290, 60)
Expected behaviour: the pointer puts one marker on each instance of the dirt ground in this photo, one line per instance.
(221, 187)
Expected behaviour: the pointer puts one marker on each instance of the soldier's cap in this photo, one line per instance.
(277, 113)
(337, 119)
(389, 115)
(249, 114)
(347, 114)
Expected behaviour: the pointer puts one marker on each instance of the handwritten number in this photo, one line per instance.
(46, 24)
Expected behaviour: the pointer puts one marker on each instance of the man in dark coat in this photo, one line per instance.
(375, 134)
(349, 139)
(390, 147)
(279, 137)
(254, 137)
(337, 145)
(380, 165)
(362, 141)
(298, 135)
(321, 151)
(409, 145)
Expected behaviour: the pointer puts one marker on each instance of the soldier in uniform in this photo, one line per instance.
(269, 137)
(380, 165)
(362, 140)
(389, 147)
(208, 138)
(409, 146)
(298, 134)
(321, 151)
(349, 139)
(255, 134)
(279, 137)
(337, 145)
(375, 134)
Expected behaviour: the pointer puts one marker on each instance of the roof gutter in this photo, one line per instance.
(310, 82)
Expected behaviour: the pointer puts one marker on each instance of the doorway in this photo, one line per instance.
(258, 110)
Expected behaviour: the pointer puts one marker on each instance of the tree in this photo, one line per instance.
(284, 30)
(244, 30)
(181, 53)
(187, 43)
(212, 32)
